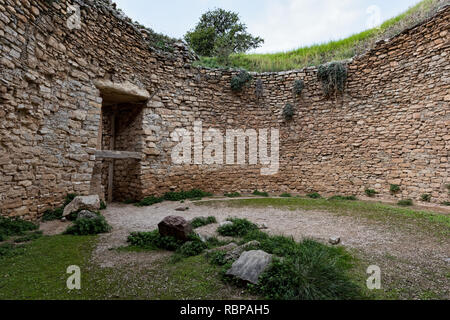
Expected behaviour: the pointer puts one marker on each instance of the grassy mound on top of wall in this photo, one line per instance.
(333, 50)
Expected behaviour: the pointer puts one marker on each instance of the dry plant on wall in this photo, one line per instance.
(333, 77)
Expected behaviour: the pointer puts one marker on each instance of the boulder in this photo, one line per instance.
(174, 226)
(85, 214)
(250, 266)
(91, 203)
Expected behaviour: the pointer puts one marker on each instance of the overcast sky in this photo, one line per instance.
(283, 24)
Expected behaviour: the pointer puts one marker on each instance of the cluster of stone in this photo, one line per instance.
(391, 126)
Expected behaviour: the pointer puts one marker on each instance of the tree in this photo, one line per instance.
(221, 33)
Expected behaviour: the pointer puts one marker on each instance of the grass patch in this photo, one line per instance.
(238, 228)
(84, 227)
(314, 195)
(405, 203)
(14, 227)
(331, 51)
(202, 221)
(343, 198)
(29, 237)
(260, 194)
(285, 195)
(232, 195)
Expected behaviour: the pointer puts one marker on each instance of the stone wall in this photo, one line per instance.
(391, 126)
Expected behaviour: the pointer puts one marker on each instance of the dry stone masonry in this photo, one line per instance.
(91, 110)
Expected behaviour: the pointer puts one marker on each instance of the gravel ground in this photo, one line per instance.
(412, 262)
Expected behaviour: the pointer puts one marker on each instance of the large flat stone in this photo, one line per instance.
(113, 92)
(250, 266)
(91, 203)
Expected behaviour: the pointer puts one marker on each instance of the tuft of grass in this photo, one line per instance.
(314, 195)
(343, 198)
(331, 51)
(202, 221)
(148, 201)
(446, 203)
(394, 188)
(84, 227)
(260, 194)
(15, 227)
(426, 197)
(238, 228)
(405, 203)
(285, 195)
(232, 195)
(371, 193)
(29, 237)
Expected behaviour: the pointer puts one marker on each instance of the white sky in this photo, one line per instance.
(283, 24)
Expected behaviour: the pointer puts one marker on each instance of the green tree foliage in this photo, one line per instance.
(221, 33)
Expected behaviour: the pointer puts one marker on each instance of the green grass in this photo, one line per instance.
(331, 51)
(38, 272)
(202, 221)
(393, 216)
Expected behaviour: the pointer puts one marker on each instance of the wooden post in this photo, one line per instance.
(112, 145)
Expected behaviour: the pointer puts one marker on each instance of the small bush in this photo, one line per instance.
(288, 111)
(51, 215)
(103, 205)
(333, 77)
(314, 195)
(15, 227)
(448, 187)
(153, 240)
(149, 201)
(183, 195)
(84, 227)
(232, 195)
(9, 250)
(217, 258)
(395, 188)
(239, 81)
(299, 85)
(314, 272)
(286, 195)
(405, 203)
(446, 203)
(191, 248)
(29, 237)
(130, 201)
(201, 221)
(238, 228)
(260, 194)
(69, 198)
(343, 198)
(426, 197)
(371, 193)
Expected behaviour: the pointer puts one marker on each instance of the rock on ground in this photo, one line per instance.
(173, 226)
(85, 214)
(91, 203)
(250, 265)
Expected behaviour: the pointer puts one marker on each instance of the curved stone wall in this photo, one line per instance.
(391, 126)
